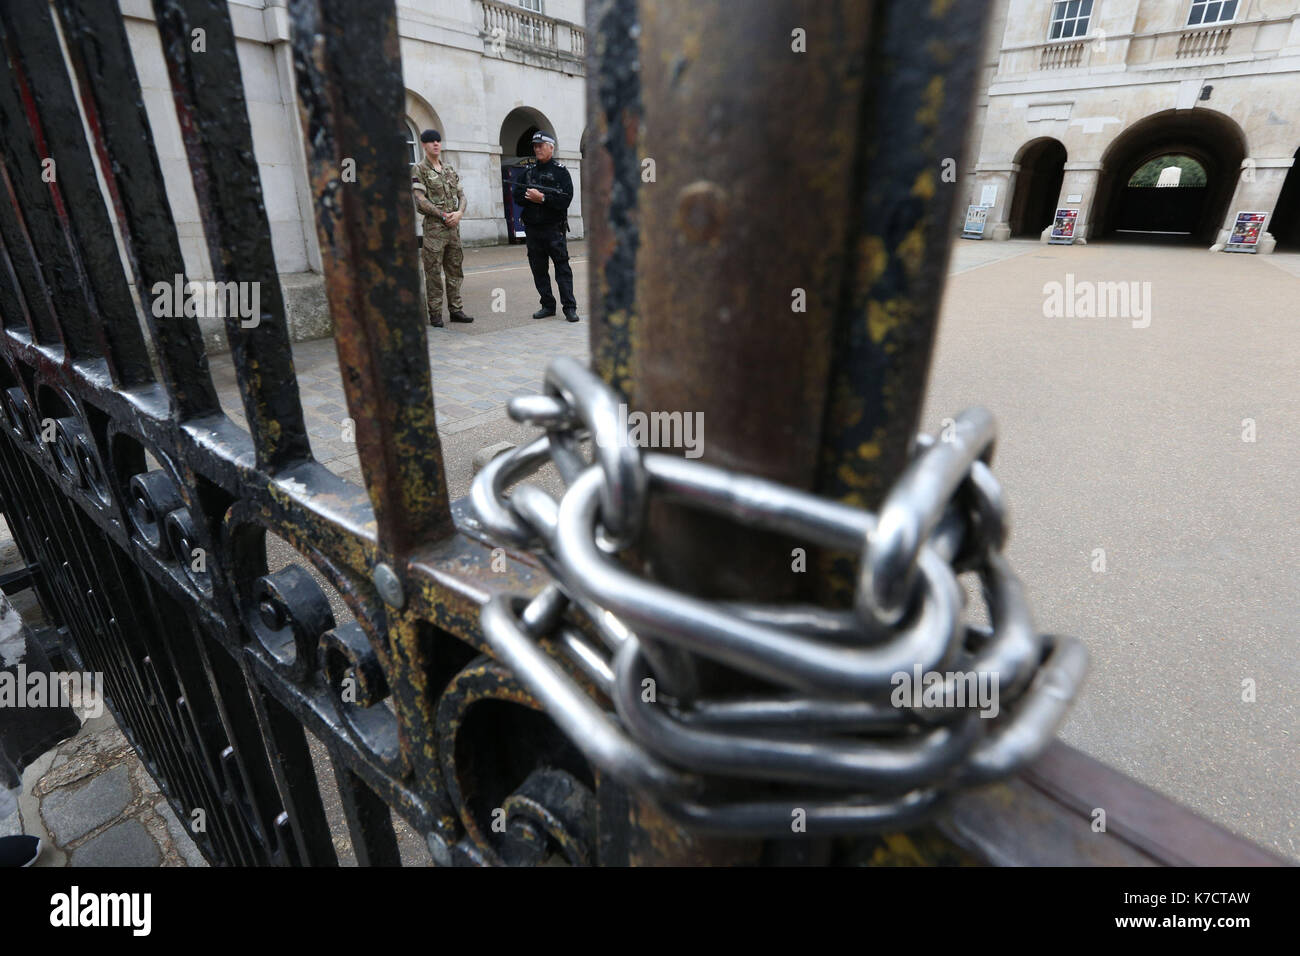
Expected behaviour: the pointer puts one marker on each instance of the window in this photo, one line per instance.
(1211, 11)
(413, 151)
(532, 30)
(1070, 19)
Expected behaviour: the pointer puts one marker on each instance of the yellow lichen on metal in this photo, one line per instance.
(928, 115)
(883, 318)
(923, 187)
(911, 251)
(875, 259)
(898, 850)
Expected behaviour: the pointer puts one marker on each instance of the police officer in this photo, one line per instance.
(441, 199)
(544, 193)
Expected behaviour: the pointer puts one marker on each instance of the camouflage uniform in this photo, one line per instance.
(438, 192)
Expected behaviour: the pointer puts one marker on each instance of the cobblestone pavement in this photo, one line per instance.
(92, 803)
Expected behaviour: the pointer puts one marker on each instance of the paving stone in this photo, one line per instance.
(11, 821)
(70, 814)
(180, 836)
(126, 844)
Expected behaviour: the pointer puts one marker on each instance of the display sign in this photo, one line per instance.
(989, 195)
(1063, 227)
(1246, 232)
(511, 175)
(976, 217)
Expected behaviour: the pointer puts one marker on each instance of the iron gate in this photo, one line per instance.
(145, 510)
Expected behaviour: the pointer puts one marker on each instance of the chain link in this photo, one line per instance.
(872, 716)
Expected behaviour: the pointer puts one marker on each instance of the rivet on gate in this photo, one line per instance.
(701, 210)
(389, 585)
(439, 849)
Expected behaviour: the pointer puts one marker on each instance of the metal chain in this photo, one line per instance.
(874, 715)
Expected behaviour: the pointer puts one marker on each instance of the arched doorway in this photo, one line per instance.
(1208, 145)
(1038, 186)
(517, 133)
(1164, 198)
(516, 152)
(1285, 225)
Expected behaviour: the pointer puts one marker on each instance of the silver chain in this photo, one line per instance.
(872, 716)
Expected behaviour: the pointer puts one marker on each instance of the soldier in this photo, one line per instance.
(544, 193)
(440, 198)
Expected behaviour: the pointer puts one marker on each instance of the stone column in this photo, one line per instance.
(1003, 176)
(1078, 190)
(275, 19)
(1258, 189)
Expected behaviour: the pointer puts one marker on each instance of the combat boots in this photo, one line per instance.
(458, 315)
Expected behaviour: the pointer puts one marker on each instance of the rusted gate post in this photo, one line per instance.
(771, 188)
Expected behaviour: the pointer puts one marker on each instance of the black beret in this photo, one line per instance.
(430, 136)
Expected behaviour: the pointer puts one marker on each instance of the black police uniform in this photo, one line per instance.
(544, 227)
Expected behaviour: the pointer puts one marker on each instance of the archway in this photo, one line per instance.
(1038, 186)
(1126, 207)
(1285, 225)
(517, 131)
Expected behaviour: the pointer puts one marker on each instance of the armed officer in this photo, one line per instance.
(441, 199)
(544, 194)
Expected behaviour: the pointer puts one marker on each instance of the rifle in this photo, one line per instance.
(541, 189)
(544, 190)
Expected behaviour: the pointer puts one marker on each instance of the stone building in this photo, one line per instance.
(486, 73)
(489, 74)
(1079, 95)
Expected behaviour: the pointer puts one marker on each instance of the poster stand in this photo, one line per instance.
(1246, 232)
(976, 219)
(1063, 227)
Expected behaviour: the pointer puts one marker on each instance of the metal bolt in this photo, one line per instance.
(701, 211)
(389, 585)
(440, 850)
